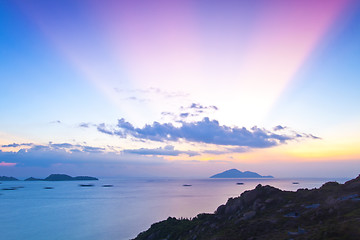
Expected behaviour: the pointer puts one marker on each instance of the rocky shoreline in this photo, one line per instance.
(265, 213)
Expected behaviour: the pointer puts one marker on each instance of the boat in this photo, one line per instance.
(295, 183)
(187, 185)
(86, 185)
(9, 188)
(240, 183)
(107, 185)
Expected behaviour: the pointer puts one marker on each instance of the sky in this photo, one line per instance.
(179, 88)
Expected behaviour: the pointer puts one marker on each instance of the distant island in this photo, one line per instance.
(234, 173)
(268, 213)
(4, 178)
(62, 177)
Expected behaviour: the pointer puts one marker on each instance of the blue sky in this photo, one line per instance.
(179, 89)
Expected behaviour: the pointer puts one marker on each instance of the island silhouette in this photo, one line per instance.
(62, 177)
(5, 178)
(234, 173)
(52, 177)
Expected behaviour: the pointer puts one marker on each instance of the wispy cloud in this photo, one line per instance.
(17, 145)
(137, 99)
(7, 164)
(102, 128)
(134, 94)
(161, 151)
(279, 127)
(84, 125)
(54, 146)
(199, 106)
(228, 150)
(55, 122)
(191, 112)
(66, 153)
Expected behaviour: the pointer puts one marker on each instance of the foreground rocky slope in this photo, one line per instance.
(330, 212)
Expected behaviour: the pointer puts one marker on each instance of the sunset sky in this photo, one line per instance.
(180, 88)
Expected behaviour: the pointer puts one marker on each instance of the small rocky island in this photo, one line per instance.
(62, 177)
(4, 178)
(268, 213)
(234, 173)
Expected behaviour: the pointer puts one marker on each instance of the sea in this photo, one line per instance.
(68, 211)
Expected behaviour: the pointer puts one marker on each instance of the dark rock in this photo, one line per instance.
(249, 215)
(292, 215)
(312, 206)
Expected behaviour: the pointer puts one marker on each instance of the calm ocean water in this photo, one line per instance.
(70, 212)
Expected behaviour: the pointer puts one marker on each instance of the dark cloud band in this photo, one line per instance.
(204, 131)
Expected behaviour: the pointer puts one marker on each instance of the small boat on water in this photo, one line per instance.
(187, 185)
(9, 188)
(295, 183)
(240, 183)
(48, 188)
(107, 185)
(86, 185)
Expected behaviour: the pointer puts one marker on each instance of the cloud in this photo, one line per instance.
(64, 153)
(55, 122)
(61, 145)
(7, 164)
(165, 94)
(311, 136)
(199, 106)
(165, 151)
(279, 127)
(228, 150)
(196, 109)
(84, 125)
(299, 135)
(55, 147)
(137, 99)
(92, 149)
(17, 145)
(204, 131)
(184, 115)
(133, 93)
(102, 128)
(191, 112)
(125, 125)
